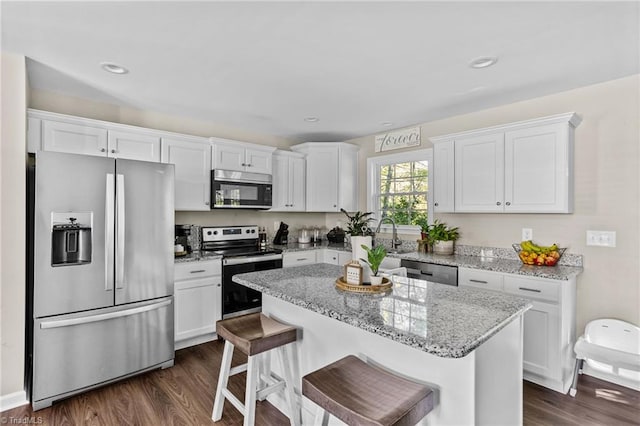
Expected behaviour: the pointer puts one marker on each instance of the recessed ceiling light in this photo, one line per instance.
(311, 119)
(483, 62)
(113, 68)
(386, 124)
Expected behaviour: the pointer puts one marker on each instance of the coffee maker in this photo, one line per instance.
(182, 233)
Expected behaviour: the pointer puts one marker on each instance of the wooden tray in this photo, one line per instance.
(357, 288)
(179, 253)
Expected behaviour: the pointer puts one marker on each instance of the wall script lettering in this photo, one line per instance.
(397, 139)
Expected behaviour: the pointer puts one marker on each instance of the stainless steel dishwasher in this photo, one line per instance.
(432, 272)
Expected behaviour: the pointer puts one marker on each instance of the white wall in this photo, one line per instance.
(607, 192)
(12, 223)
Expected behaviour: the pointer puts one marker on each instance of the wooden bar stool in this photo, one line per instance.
(360, 394)
(253, 335)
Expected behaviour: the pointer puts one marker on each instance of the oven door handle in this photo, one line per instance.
(250, 259)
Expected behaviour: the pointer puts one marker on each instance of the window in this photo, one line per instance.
(398, 188)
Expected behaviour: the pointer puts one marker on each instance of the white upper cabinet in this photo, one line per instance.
(288, 181)
(241, 156)
(76, 135)
(523, 167)
(192, 160)
(479, 173)
(72, 138)
(133, 146)
(332, 176)
(443, 176)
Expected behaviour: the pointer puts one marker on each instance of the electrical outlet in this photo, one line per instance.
(527, 234)
(601, 238)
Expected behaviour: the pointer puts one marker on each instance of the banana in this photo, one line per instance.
(529, 246)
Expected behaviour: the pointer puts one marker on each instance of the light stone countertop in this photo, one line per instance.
(196, 256)
(445, 321)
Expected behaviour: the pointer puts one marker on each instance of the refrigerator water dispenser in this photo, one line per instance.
(70, 243)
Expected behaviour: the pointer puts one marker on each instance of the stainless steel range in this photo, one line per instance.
(240, 250)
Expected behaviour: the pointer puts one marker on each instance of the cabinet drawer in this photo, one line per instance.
(533, 288)
(487, 280)
(298, 258)
(203, 268)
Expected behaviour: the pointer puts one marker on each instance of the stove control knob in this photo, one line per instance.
(208, 232)
(253, 231)
(247, 231)
(214, 232)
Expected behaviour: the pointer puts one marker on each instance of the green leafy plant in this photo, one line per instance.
(358, 225)
(439, 231)
(374, 257)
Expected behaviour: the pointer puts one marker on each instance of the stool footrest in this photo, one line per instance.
(232, 399)
(262, 393)
(237, 370)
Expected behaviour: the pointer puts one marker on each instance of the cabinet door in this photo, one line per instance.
(297, 184)
(537, 170)
(331, 256)
(73, 138)
(541, 336)
(348, 179)
(322, 180)
(228, 157)
(198, 307)
(192, 162)
(281, 182)
(133, 146)
(443, 177)
(258, 161)
(479, 173)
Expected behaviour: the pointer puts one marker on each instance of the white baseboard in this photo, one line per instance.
(13, 400)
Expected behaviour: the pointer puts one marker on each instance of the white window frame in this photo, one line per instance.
(373, 183)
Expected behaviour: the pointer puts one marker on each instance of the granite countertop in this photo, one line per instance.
(196, 256)
(445, 321)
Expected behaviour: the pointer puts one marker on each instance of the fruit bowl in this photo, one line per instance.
(540, 256)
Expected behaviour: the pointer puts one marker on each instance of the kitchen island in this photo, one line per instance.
(464, 343)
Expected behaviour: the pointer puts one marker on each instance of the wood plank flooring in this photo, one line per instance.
(183, 395)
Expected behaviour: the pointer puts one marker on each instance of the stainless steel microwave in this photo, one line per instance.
(231, 189)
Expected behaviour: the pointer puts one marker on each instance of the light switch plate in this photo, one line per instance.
(527, 234)
(601, 238)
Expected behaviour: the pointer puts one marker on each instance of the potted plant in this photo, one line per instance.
(421, 221)
(374, 259)
(358, 228)
(442, 237)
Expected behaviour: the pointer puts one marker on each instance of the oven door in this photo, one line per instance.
(236, 298)
(232, 189)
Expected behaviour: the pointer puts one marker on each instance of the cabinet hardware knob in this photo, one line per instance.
(113, 151)
(206, 203)
(508, 203)
(248, 165)
(335, 205)
(103, 150)
(435, 204)
(219, 285)
(244, 164)
(498, 203)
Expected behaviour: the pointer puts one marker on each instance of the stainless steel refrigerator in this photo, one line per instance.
(101, 287)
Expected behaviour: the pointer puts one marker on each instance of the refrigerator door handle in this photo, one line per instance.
(103, 317)
(109, 226)
(120, 225)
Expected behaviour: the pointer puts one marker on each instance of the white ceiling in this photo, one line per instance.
(264, 66)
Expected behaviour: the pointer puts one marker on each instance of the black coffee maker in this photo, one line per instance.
(182, 233)
(282, 236)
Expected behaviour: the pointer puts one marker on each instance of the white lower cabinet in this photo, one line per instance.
(549, 326)
(336, 257)
(198, 301)
(298, 258)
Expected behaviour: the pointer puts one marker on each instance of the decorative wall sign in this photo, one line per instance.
(397, 139)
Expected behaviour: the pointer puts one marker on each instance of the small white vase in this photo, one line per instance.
(358, 253)
(376, 280)
(443, 247)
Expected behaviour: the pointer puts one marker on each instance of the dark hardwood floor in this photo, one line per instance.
(183, 395)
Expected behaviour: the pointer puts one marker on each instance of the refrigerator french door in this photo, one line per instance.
(102, 291)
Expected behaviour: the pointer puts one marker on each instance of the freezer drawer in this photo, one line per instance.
(78, 351)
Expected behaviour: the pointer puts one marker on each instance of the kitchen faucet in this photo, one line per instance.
(395, 242)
